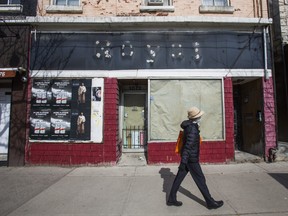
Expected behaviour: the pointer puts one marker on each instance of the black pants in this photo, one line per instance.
(198, 177)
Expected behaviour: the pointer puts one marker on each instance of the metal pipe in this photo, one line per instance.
(266, 75)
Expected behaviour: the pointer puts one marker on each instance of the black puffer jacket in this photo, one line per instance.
(191, 142)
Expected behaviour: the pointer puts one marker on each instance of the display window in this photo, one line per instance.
(170, 100)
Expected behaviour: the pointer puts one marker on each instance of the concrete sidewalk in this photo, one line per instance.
(246, 189)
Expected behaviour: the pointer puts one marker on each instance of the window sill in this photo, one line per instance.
(156, 8)
(216, 9)
(64, 9)
(13, 8)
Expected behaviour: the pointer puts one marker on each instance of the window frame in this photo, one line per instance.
(8, 2)
(167, 6)
(226, 3)
(53, 8)
(226, 9)
(222, 96)
(54, 2)
(10, 7)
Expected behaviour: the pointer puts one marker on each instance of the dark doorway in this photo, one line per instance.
(248, 117)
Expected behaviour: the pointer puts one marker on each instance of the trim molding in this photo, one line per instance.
(12, 8)
(152, 74)
(64, 9)
(148, 19)
(216, 9)
(157, 8)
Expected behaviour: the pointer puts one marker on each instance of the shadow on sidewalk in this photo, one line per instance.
(282, 178)
(168, 178)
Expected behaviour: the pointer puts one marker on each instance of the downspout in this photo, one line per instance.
(28, 107)
(266, 77)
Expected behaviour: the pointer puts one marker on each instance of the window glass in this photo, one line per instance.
(208, 2)
(220, 3)
(67, 2)
(14, 1)
(73, 2)
(215, 2)
(170, 100)
(158, 2)
(60, 2)
(7, 2)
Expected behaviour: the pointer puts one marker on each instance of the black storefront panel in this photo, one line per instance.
(163, 50)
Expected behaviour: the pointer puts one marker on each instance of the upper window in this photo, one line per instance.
(65, 6)
(66, 2)
(222, 3)
(9, 2)
(11, 6)
(216, 6)
(158, 2)
(156, 5)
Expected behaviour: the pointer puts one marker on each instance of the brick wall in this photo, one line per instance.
(111, 130)
(109, 151)
(269, 116)
(18, 123)
(83, 153)
(211, 152)
(95, 8)
(283, 10)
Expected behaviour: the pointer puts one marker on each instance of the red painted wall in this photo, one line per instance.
(211, 152)
(108, 152)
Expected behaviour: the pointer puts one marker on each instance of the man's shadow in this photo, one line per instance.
(168, 178)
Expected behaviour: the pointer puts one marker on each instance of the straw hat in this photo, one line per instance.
(194, 113)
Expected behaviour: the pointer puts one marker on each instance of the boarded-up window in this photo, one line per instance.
(170, 100)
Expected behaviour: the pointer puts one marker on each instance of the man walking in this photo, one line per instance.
(190, 161)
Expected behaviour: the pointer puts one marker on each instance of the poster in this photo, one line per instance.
(67, 109)
(81, 109)
(80, 124)
(97, 110)
(61, 93)
(40, 123)
(41, 93)
(60, 124)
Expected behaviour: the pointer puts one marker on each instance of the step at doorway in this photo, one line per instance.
(132, 159)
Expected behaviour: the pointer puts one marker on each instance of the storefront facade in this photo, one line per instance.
(13, 98)
(14, 65)
(96, 94)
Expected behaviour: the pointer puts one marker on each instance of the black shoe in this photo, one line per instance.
(174, 203)
(215, 204)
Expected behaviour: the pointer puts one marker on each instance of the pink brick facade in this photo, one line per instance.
(98, 14)
(127, 8)
(269, 116)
